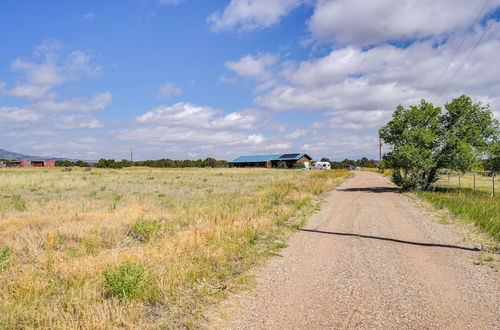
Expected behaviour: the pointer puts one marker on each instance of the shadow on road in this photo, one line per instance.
(391, 240)
(372, 189)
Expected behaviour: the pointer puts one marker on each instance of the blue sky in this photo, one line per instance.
(221, 78)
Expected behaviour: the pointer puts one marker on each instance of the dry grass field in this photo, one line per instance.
(481, 182)
(139, 247)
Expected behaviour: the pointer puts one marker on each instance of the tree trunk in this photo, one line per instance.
(430, 178)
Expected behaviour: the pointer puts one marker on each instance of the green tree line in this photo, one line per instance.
(163, 163)
(363, 162)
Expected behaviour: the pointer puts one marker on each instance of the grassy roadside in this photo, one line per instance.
(473, 206)
(139, 248)
(477, 207)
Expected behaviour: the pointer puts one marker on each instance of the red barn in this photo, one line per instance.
(35, 163)
(43, 163)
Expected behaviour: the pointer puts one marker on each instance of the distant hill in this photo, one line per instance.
(9, 155)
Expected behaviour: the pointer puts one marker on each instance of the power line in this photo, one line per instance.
(460, 46)
(465, 60)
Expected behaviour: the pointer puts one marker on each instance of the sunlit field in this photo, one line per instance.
(139, 247)
(480, 182)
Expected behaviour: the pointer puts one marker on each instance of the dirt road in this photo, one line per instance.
(372, 259)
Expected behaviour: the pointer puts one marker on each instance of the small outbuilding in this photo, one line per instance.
(34, 163)
(268, 161)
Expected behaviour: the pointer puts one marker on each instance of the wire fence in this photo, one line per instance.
(481, 181)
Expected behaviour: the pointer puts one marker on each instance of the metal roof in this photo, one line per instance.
(265, 158)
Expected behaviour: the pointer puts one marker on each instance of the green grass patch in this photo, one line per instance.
(5, 253)
(473, 206)
(124, 281)
(144, 230)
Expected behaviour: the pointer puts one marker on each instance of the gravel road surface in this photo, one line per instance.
(371, 259)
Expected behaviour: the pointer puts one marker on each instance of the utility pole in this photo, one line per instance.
(131, 155)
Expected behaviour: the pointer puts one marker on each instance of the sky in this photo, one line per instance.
(190, 79)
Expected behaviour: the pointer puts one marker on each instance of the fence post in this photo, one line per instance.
(493, 184)
(474, 178)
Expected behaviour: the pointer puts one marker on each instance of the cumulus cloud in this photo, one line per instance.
(356, 89)
(353, 79)
(246, 15)
(192, 116)
(51, 67)
(168, 90)
(202, 130)
(17, 115)
(360, 22)
(79, 104)
(77, 122)
(38, 111)
(253, 67)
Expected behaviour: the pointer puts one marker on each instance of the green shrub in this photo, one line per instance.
(299, 165)
(4, 257)
(281, 165)
(124, 281)
(18, 203)
(144, 230)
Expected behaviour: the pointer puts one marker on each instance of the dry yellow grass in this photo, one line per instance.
(469, 180)
(59, 231)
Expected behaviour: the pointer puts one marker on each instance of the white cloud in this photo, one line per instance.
(350, 79)
(356, 120)
(192, 116)
(77, 122)
(236, 120)
(178, 114)
(79, 104)
(361, 22)
(253, 67)
(168, 90)
(357, 90)
(19, 115)
(247, 15)
(54, 67)
(296, 134)
(41, 112)
(201, 130)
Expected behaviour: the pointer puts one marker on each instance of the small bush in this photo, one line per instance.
(281, 165)
(124, 281)
(4, 257)
(299, 165)
(144, 230)
(18, 203)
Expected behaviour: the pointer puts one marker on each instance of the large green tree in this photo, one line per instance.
(424, 138)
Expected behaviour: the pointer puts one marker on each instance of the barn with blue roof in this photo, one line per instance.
(268, 161)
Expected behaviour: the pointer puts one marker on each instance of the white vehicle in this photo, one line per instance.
(321, 166)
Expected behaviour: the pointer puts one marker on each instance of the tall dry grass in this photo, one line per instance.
(74, 243)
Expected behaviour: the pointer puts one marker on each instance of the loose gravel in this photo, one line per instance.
(371, 259)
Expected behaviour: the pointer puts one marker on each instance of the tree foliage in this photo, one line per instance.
(163, 163)
(425, 138)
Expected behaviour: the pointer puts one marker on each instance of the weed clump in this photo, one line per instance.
(144, 230)
(19, 203)
(5, 253)
(124, 281)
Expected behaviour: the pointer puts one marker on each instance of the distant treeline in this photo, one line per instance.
(170, 163)
(363, 162)
(487, 164)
